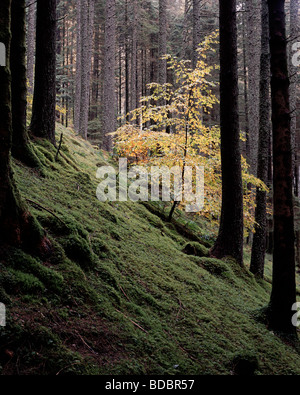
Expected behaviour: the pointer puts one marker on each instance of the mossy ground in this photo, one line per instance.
(121, 292)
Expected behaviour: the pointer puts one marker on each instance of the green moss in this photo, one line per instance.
(20, 261)
(118, 276)
(194, 248)
(17, 282)
(78, 249)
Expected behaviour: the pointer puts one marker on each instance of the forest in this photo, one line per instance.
(149, 189)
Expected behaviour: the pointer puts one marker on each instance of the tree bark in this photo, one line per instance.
(259, 238)
(87, 22)
(17, 226)
(31, 15)
(253, 61)
(134, 57)
(20, 143)
(44, 99)
(294, 37)
(196, 30)
(162, 42)
(78, 68)
(109, 93)
(283, 294)
(230, 237)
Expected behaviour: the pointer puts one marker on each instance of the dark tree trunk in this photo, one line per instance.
(20, 143)
(43, 109)
(245, 78)
(259, 238)
(294, 37)
(230, 238)
(283, 286)
(253, 60)
(17, 226)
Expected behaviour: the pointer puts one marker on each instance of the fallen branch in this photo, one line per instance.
(85, 343)
(124, 293)
(134, 323)
(44, 208)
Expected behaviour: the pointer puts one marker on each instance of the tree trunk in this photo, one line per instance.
(162, 42)
(44, 99)
(109, 93)
(245, 78)
(127, 104)
(230, 238)
(30, 43)
(78, 68)
(294, 37)
(20, 143)
(196, 30)
(134, 57)
(283, 294)
(259, 238)
(253, 61)
(86, 54)
(185, 34)
(17, 226)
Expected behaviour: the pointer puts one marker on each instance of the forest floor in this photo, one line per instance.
(120, 294)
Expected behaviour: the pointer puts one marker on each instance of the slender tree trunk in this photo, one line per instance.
(245, 77)
(162, 42)
(44, 99)
(253, 61)
(259, 238)
(30, 43)
(185, 35)
(230, 238)
(87, 23)
(294, 37)
(134, 57)
(109, 75)
(196, 30)
(283, 294)
(127, 104)
(78, 69)
(96, 74)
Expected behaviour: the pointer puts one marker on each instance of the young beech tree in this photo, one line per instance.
(192, 143)
(230, 238)
(17, 226)
(283, 286)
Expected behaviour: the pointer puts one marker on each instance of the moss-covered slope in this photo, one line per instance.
(123, 291)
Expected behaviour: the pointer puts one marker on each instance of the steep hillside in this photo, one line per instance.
(122, 291)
